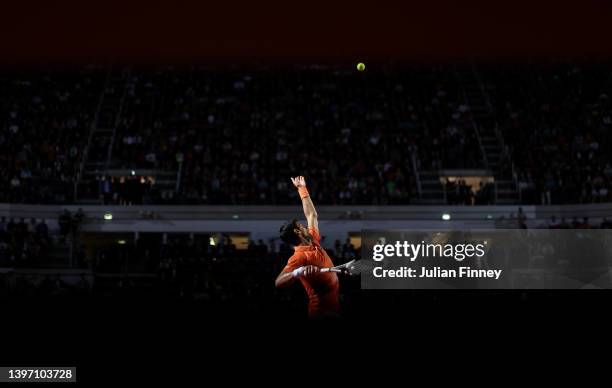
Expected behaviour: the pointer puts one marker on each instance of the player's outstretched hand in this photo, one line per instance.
(299, 181)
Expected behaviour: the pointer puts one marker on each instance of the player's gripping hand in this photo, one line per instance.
(299, 181)
(306, 270)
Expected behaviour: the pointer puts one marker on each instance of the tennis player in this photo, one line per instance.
(309, 257)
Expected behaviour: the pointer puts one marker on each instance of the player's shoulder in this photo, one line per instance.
(297, 256)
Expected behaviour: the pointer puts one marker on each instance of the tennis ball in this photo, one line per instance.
(361, 66)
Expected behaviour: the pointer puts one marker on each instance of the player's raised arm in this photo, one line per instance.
(309, 210)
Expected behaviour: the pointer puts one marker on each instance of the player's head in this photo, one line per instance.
(294, 233)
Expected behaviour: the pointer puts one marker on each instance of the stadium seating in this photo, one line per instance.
(391, 135)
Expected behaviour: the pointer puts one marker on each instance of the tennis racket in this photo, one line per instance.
(353, 267)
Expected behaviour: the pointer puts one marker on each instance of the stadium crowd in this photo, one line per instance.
(556, 120)
(237, 136)
(23, 243)
(29, 244)
(232, 137)
(45, 118)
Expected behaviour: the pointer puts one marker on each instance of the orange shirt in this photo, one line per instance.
(322, 288)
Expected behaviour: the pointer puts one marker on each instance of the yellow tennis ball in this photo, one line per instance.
(361, 66)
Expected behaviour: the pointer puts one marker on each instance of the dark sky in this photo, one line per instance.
(301, 31)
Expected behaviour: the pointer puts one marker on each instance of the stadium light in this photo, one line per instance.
(446, 216)
(108, 216)
(133, 172)
(121, 242)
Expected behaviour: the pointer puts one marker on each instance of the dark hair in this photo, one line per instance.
(287, 233)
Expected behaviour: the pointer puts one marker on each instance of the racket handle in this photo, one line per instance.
(330, 270)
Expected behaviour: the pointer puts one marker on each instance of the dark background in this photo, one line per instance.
(310, 31)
